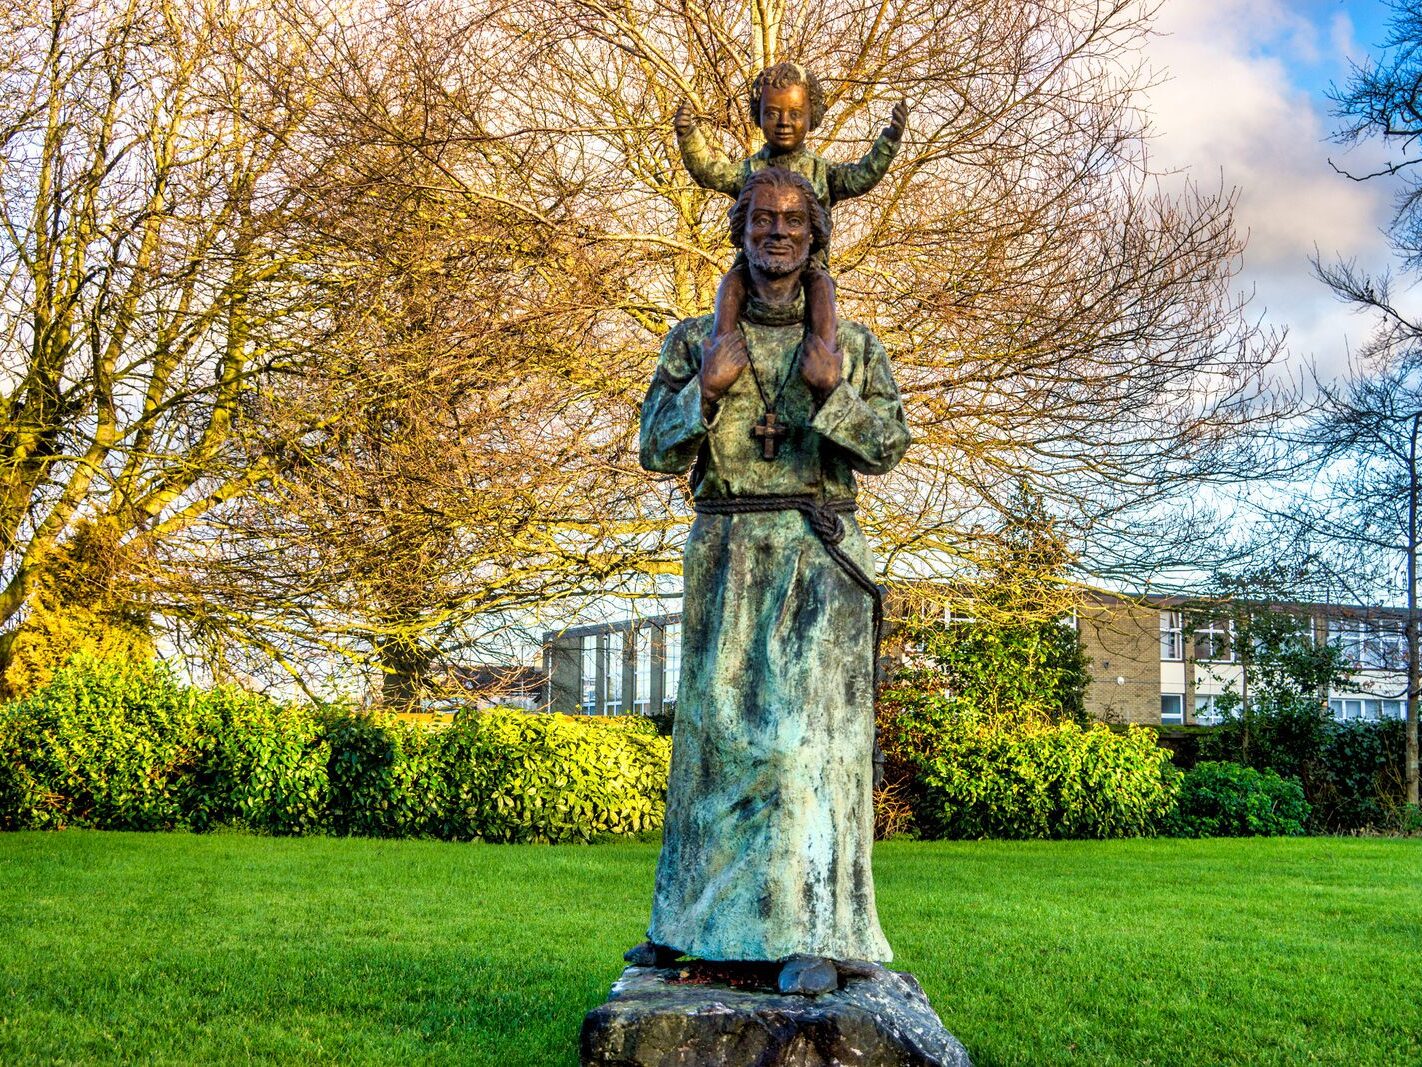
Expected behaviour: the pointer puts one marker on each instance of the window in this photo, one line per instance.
(612, 671)
(959, 617)
(1172, 635)
(671, 645)
(1171, 709)
(1214, 641)
(588, 675)
(642, 674)
(1366, 709)
(1371, 646)
(1206, 713)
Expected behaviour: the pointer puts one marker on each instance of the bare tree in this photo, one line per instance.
(1366, 434)
(149, 289)
(1055, 317)
(411, 263)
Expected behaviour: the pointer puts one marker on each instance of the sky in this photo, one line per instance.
(1242, 100)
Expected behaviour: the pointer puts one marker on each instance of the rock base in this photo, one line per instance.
(713, 1015)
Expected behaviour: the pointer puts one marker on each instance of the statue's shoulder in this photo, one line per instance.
(684, 339)
(691, 331)
(857, 337)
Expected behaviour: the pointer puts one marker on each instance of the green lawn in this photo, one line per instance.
(222, 949)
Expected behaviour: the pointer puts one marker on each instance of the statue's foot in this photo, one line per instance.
(808, 976)
(650, 954)
(858, 968)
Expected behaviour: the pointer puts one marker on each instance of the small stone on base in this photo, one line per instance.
(684, 1016)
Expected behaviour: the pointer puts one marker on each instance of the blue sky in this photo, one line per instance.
(1243, 101)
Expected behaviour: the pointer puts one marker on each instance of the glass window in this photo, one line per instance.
(1370, 646)
(1213, 641)
(1205, 712)
(1394, 709)
(1172, 709)
(672, 677)
(1392, 647)
(588, 675)
(642, 677)
(612, 668)
(1172, 635)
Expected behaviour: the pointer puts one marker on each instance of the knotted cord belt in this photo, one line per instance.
(825, 519)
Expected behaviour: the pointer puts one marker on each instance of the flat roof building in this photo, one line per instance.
(1154, 660)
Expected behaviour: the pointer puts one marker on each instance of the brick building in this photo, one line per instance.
(1153, 660)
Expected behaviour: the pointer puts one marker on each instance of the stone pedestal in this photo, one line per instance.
(709, 1015)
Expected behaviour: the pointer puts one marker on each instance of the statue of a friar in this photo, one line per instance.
(769, 825)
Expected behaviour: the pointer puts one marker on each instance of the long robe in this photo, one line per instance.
(769, 825)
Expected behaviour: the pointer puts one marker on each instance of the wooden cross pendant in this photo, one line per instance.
(770, 433)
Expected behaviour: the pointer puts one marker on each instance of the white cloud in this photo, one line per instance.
(1228, 107)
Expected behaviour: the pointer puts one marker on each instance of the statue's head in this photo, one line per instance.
(779, 222)
(786, 102)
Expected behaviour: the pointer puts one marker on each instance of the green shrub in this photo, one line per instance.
(384, 777)
(262, 765)
(1359, 779)
(1220, 799)
(975, 776)
(1352, 773)
(101, 746)
(114, 748)
(513, 776)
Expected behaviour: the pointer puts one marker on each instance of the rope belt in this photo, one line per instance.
(826, 520)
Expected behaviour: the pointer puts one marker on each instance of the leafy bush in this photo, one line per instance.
(1220, 799)
(101, 747)
(385, 777)
(977, 776)
(1352, 773)
(114, 748)
(1019, 668)
(1359, 779)
(512, 776)
(260, 765)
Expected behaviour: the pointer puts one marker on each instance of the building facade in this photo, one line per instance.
(632, 666)
(1153, 660)
(1166, 660)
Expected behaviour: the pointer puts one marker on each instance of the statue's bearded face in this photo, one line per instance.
(778, 234)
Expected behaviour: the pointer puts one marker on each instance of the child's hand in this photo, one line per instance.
(898, 121)
(821, 367)
(722, 361)
(684, 119)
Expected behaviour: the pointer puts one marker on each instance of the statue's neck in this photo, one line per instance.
(775, 290)
(764, 314)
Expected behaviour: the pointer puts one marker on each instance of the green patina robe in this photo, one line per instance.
(832, 182)
(770, 818)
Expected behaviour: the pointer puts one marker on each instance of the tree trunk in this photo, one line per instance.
(1414, 667)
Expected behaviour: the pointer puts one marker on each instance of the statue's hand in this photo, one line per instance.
(684, 119)
(898, 121)
(722, 363)
(821, 367)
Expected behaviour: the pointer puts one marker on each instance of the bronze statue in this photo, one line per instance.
(769, 827)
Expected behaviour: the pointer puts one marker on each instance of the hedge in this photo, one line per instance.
(972, 775)
(131, 748)
(1221, 799)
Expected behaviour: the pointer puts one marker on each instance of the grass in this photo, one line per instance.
(226, 948)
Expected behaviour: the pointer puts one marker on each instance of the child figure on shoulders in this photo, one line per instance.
(786, 101)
